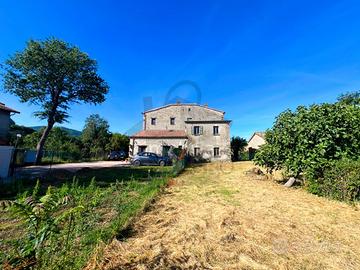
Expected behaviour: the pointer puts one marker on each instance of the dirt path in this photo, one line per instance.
(217, 217)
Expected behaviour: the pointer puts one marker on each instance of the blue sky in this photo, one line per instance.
(252, 59)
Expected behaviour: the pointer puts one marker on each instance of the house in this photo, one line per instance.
(201, 130)
(254, 143)
(5, 113)
(6, 151)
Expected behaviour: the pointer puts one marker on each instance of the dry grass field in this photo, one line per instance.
(218, 217)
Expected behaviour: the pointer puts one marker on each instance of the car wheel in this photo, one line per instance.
(137, 163)
(162, 163)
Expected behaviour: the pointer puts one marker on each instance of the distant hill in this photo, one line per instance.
(71, 132)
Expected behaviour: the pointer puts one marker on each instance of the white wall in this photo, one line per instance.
(5, 159)
(255, 142)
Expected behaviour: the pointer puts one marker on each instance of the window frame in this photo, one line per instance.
(217, 133)
(196, 151)
(153, 121)
(200, 129)
(172, 121)
(216, 152)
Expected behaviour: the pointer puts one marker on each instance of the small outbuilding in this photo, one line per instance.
(254, 143)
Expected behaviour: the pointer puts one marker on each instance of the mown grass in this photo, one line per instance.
(220, 216)
(110, 201)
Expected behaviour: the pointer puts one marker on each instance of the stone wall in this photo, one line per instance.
(207, 141)
(181, 113)
(155, 145)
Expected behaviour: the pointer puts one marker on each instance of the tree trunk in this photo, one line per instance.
(41, 143)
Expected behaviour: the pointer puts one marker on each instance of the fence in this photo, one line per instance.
(23, 157)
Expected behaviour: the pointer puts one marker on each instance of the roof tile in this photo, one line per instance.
(160, 134)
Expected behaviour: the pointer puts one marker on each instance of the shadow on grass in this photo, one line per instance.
(104, 177)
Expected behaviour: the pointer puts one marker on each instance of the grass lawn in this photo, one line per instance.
(217, 216)
(109, 204)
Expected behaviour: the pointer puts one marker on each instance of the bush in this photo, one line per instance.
(309, 139)
(341, 181)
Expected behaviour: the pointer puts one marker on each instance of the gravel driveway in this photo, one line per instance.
(35, 171)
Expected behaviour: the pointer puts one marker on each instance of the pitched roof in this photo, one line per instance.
(4, 108)
(207, 121)
(184, 104)
(160, 134)
(259, 133)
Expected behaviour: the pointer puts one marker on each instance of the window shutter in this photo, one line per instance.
(201, 130)
(192, 130)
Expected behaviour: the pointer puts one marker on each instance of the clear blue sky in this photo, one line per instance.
(252, 59)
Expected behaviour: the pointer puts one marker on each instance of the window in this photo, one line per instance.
(196, 151)
(216, 130)
(197, 130)
(172, 120)
(141, 148)
(216, 152)
(153, 121)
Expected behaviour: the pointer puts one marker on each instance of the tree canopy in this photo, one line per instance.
(309, 139)
(95, 135)
(237, 146)
(53, 75)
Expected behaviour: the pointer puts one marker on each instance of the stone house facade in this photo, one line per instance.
(201, 130)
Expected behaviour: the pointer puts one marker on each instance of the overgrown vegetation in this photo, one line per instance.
(306, 142)
(341, 181)
(61, 228)
(95, 143)
(238, 145)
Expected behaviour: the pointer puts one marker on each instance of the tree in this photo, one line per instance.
(118, 142)
(15, 130)
(350, 98)
(53, 75)
(309, 139)
(59, 142)
(95, 135)
(237, 146)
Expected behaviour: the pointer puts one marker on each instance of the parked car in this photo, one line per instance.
(117, 155)
(148, 158)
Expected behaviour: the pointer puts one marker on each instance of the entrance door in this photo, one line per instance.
(165, 150)
(141, 148)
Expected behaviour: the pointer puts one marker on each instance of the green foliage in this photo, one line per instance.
(237, 147)
(306, 140)
(350, 98)
(59, 142)
(101, 210)
(341, 181)
(53, 75)
(43, 223)
(95, 135)
(16, 129)
(118, 142)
